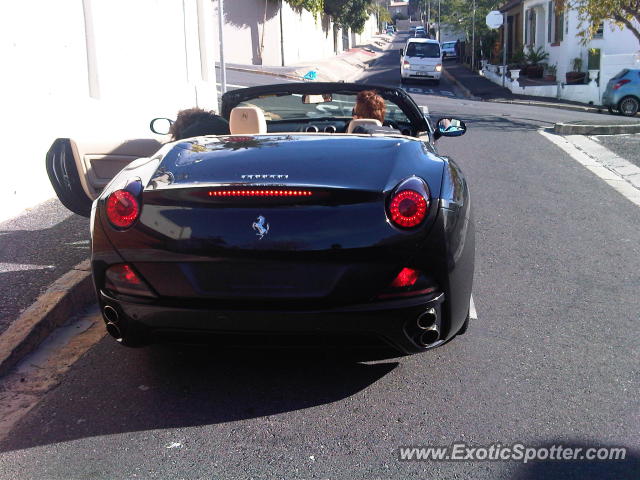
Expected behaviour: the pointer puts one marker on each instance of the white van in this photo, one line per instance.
(421, 58)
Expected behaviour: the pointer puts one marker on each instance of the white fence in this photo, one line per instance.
(590, 93)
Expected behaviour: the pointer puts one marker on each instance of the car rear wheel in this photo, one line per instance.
(629, 106)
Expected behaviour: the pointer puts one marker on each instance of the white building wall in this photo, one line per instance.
(613, 42)
(104, 78)
(253, 34)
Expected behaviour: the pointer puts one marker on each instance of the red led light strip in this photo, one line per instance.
(260, 193)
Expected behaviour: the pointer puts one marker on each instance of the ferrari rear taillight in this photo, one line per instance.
(122, 278)
(621, 83)
(408, 208)
(269, 192)
(406, 278)
(409, 282)
(122, 208)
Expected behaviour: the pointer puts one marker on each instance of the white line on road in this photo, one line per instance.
(232, 85)
(603, 167)
(473, 314)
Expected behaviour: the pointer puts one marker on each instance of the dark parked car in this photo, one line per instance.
(293, 225)
(622, 94)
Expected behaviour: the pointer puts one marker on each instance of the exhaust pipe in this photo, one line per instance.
(429, 337)
(110, 314)
(429, 327)
(111, 318)
(427, 320)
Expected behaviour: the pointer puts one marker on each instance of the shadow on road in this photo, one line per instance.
(620, 469)
(114, 390)
(33, 256)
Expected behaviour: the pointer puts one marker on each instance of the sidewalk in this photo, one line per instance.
(480, 88)
(346, 66)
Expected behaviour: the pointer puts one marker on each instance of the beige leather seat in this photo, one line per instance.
(247, 120)
(356, 122)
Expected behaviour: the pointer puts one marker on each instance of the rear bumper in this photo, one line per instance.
(392, 322)
(611, 98)
(420, 75)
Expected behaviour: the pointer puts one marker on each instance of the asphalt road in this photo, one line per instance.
(553, 357)
(37, 248)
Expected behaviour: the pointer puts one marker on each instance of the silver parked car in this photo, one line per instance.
(449, 50)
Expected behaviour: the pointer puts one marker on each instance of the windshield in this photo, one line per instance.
(292, 107)
(423, 50)
(449, 45)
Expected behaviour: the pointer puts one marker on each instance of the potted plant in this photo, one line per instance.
(551, 73)
(535, 57)
(518, 60)
(576, 77)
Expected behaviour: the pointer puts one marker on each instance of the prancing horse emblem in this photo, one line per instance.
(261, 227)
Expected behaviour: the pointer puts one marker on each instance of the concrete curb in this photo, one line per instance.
(261, 72)
(51, 310)
(577, 129)
(561, 106)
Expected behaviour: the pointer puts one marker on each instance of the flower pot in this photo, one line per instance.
(535, 71)
(593, 75)
(575, 78)
(515, 74)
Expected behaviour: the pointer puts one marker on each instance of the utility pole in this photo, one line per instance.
(439, 20)
(281, 35)
(505, 30)
(223, 71)
(473, 37)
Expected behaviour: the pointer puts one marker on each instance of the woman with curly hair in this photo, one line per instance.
(369, 105)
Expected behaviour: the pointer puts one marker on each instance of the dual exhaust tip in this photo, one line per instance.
(429, 327)
(111, 319)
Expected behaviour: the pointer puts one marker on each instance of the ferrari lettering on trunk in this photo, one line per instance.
(260, 226)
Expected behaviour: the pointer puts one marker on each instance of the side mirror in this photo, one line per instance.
(451, 127)
(161, 125)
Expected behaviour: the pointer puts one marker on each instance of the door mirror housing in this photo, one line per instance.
(451, 127)
(161, 125)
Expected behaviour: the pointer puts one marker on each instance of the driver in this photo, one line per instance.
(194, 122)
(369, 105)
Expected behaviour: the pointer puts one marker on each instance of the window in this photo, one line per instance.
(600, 31)
(530, 27)
(423, 50)
(555, 23)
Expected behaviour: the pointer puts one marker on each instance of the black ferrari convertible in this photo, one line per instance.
(294, 225)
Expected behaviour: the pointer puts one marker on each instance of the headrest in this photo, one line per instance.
(356, 122)
(247, 120)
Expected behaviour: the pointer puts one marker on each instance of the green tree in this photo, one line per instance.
(383, 15)
(352, 14)
(624, 13)
(314, 6)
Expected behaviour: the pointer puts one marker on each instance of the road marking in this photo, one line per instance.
(427, 91)
(607, 167)
(473, 314)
